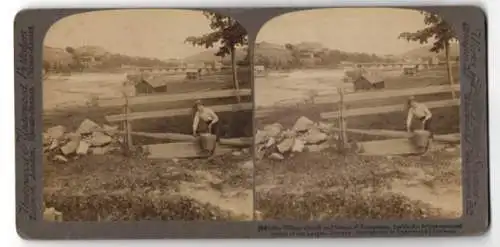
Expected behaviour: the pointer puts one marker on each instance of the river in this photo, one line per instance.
(275, 89)
(79, 89)
(294, 87)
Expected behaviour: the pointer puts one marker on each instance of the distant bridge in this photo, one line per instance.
(399, 65)
(395, 65)
(179, 69)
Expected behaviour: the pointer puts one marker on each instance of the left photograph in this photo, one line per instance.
(147, 115)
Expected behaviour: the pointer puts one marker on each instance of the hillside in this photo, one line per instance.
(54, 55)
(104, 60)
(268, 53)
(292, 55)
(209, 56)
(310, 46)
(95, 51)
(424, 51)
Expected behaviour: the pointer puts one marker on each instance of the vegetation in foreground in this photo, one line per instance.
(327, 184)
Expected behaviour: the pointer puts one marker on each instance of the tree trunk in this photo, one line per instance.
(448, 67)
(235, 73)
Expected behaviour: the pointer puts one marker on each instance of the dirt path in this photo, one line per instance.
(432, 181)
(237, 201)
(208, 187)
(446, 198)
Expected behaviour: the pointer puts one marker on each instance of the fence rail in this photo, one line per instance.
(373, 95)
(128, 116)
(386, 109)
(175, 112)
(343, 113)
(335, 98)
(165, 98)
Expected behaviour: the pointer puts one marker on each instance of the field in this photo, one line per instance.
(327, 184)
(120, 185)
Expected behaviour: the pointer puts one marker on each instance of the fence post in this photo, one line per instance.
(342, 120)
(128, 123)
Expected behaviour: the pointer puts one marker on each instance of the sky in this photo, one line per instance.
(147, 33)
(161, 33)
(371, 30)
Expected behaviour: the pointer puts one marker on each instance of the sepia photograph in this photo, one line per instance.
(357, 116)
(147, 115)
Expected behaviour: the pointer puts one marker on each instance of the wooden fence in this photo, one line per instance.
(128, 116)
(344, 112)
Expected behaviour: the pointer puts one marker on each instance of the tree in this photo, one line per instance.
(228, 34)
(70, 50)
(77, 63)
(441, 32)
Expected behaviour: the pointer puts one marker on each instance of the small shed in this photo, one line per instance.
(368, 81)
(193, 74)
(150, 85)
(410, 70)
(259, 70)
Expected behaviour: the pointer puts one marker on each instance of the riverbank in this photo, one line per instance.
(120, 185)
(322, 183)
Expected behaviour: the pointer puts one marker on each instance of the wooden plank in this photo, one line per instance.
(236, 142)
(387, 109)
(401, 146)
(333, 98)
(342, 119)
(128, 111)
(164, 98)
(450, 138)
(177, 112)
(179, 150)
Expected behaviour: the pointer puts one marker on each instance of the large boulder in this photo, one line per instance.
(83, 148)
(298, 146)
(100, 139)
(276, 156)
(70, 147)
(88, 126)
(302, 124)
(285, 145)
(325, 127)
(110, 130)
(260, 137)
(315, 136)
(56, 133)
(273, 130)
(270, 142)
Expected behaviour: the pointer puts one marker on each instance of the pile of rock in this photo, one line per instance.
(89, 138)
(276, 142)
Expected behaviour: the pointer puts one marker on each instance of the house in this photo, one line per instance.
(193, 74)
(410, 69)
(150, 84)
(259, 70)
(368, 81)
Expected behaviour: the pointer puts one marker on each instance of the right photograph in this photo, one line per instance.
(357, 116)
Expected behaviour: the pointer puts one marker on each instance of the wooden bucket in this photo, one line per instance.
(208, 141)
(420, 138)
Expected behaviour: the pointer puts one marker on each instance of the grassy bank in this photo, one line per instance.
(328, 185)
(445, 119)
(115, 186)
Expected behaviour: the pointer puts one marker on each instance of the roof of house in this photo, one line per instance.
(192, 70)
(156, 81)
(373, 78)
